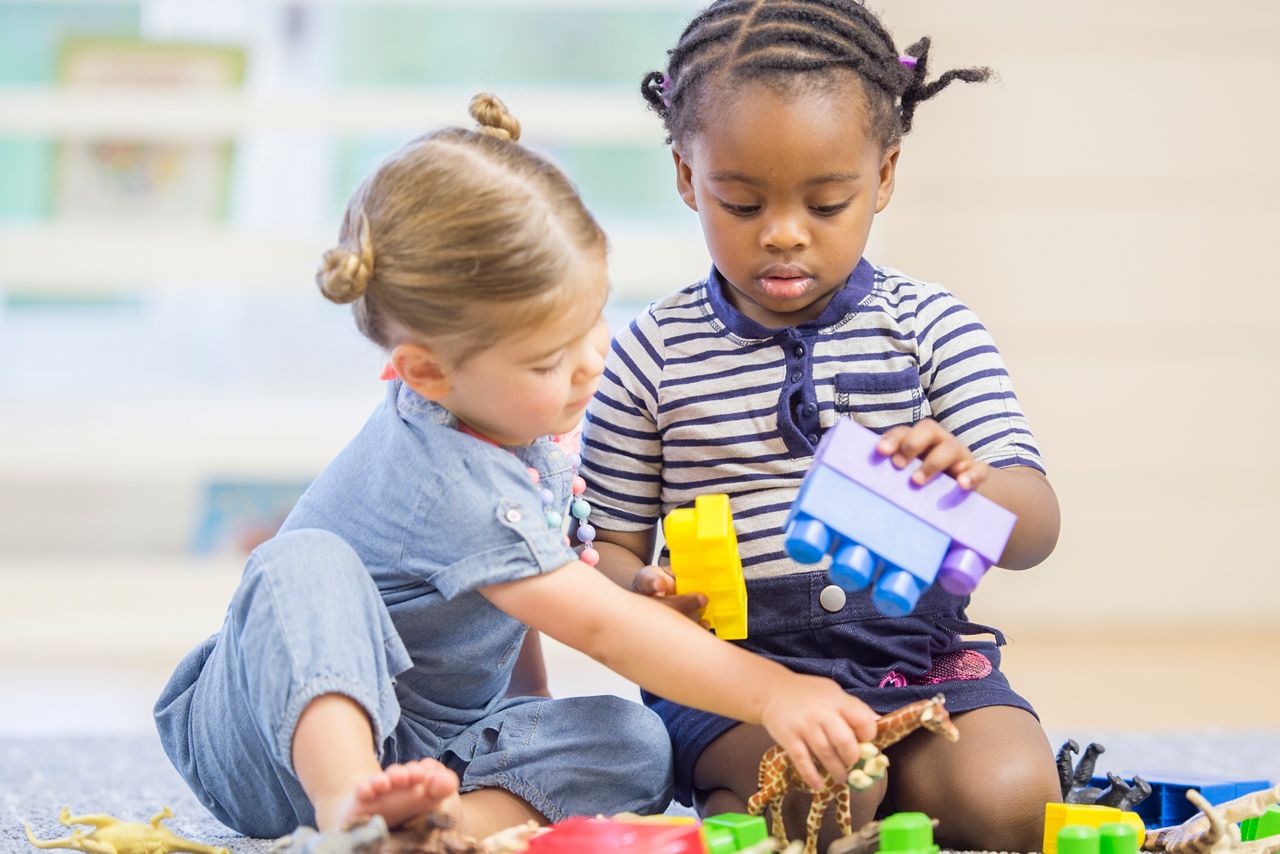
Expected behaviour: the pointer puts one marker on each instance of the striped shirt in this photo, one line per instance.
(698, 398)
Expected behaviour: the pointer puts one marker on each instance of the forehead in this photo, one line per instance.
(565, 314)
(785, 133)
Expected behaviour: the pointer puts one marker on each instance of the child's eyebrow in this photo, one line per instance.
(743, 178)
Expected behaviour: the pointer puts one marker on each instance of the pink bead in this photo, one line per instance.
(579, 486)
(589, 556)
(533, 474)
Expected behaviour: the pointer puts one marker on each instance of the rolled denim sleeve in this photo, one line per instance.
(488, 523)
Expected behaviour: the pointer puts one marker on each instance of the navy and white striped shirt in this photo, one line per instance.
(698, 398)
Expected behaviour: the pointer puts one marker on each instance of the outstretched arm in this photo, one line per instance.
(810, 717)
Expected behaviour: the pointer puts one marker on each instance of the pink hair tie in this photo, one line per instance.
(389, 372)
(908, 60)
(665, 86)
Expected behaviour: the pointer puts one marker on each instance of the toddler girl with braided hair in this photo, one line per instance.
(375, 658)
(786, 119)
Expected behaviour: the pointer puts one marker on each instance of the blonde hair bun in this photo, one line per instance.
(493, 117)
(344, 274)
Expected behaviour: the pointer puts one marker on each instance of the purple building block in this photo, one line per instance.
(977, 527)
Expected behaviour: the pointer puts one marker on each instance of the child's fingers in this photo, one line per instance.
(689, 604)
(653, 581)
(891, 439)
(828, 756)
(802, 761)
(862, 719)
(942, 457)
(974, 474)
(845, 742)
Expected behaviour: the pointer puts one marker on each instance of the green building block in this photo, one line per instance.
(744, 830)
(909, 833)
(1078, 839)
(1267, 824)
(719, 841)
(1116, 838)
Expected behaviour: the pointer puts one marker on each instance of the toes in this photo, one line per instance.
(397, 776)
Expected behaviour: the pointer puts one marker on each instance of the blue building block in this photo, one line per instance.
(869, 538)
(856, 506)
(1168, 804)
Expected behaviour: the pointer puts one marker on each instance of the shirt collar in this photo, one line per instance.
(843, 303)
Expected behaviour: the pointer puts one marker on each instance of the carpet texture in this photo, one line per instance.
(131, 778)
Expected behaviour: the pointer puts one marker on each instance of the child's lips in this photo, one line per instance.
(785, 287)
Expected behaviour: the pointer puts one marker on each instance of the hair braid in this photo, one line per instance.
(781, 40)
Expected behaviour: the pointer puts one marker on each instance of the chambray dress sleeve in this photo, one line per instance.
(967, 383)
(483, 521)
(621, 443)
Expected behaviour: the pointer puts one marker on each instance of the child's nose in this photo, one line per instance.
(783, 233)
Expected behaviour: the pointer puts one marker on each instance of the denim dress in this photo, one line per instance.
(370, 590)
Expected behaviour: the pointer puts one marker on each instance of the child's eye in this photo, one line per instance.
(829, 210)
(740, 210)
(546, 369)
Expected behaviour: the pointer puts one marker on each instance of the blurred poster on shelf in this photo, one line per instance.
(170, 180)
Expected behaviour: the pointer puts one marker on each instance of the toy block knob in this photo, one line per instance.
(961, 570)
(807, 539)
(1078, 839)
(1117, 838)
(852, 567)
(907, 833)
(897, 592)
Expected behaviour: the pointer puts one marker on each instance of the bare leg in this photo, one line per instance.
(989, 789)
(486, 811)
(727, 775)
(335, 759)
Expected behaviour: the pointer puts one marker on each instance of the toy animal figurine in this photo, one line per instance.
(1215, 829)
(433, 833)
(112, 836)
(778, 775)
(1076, 781)
(356, 839)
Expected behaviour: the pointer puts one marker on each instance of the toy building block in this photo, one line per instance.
(591, 835)
(704, 559)
(1267, 824)
(1112, 838)
(907, 833)
(1168, 804)
(868, 514)
(1058, 816)
(731, 832)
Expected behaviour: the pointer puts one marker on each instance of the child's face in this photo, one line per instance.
(786, 186)
(538, 383)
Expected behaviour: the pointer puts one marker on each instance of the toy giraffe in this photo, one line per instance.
(1214, 829)
(778, 775)
(112, 836)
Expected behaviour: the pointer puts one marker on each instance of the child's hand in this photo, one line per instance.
(812, 718)
(659, 583)
(938, 451)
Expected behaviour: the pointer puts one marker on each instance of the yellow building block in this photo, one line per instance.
(1058, 816)
(704, 559)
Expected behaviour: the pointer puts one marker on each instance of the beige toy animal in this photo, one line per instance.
(1215, 829)
(112, 836)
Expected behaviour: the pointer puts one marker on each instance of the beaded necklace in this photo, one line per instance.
(579, 508)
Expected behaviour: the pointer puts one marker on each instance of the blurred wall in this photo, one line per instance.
(1109, 207)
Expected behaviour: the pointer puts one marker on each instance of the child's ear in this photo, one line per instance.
(684, 179)
(422, 370)
(888, 173)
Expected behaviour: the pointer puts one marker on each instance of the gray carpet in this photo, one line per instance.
(131, 778)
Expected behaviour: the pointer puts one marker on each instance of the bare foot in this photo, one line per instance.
(398, 793)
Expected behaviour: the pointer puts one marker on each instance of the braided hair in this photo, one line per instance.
(795, 41)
